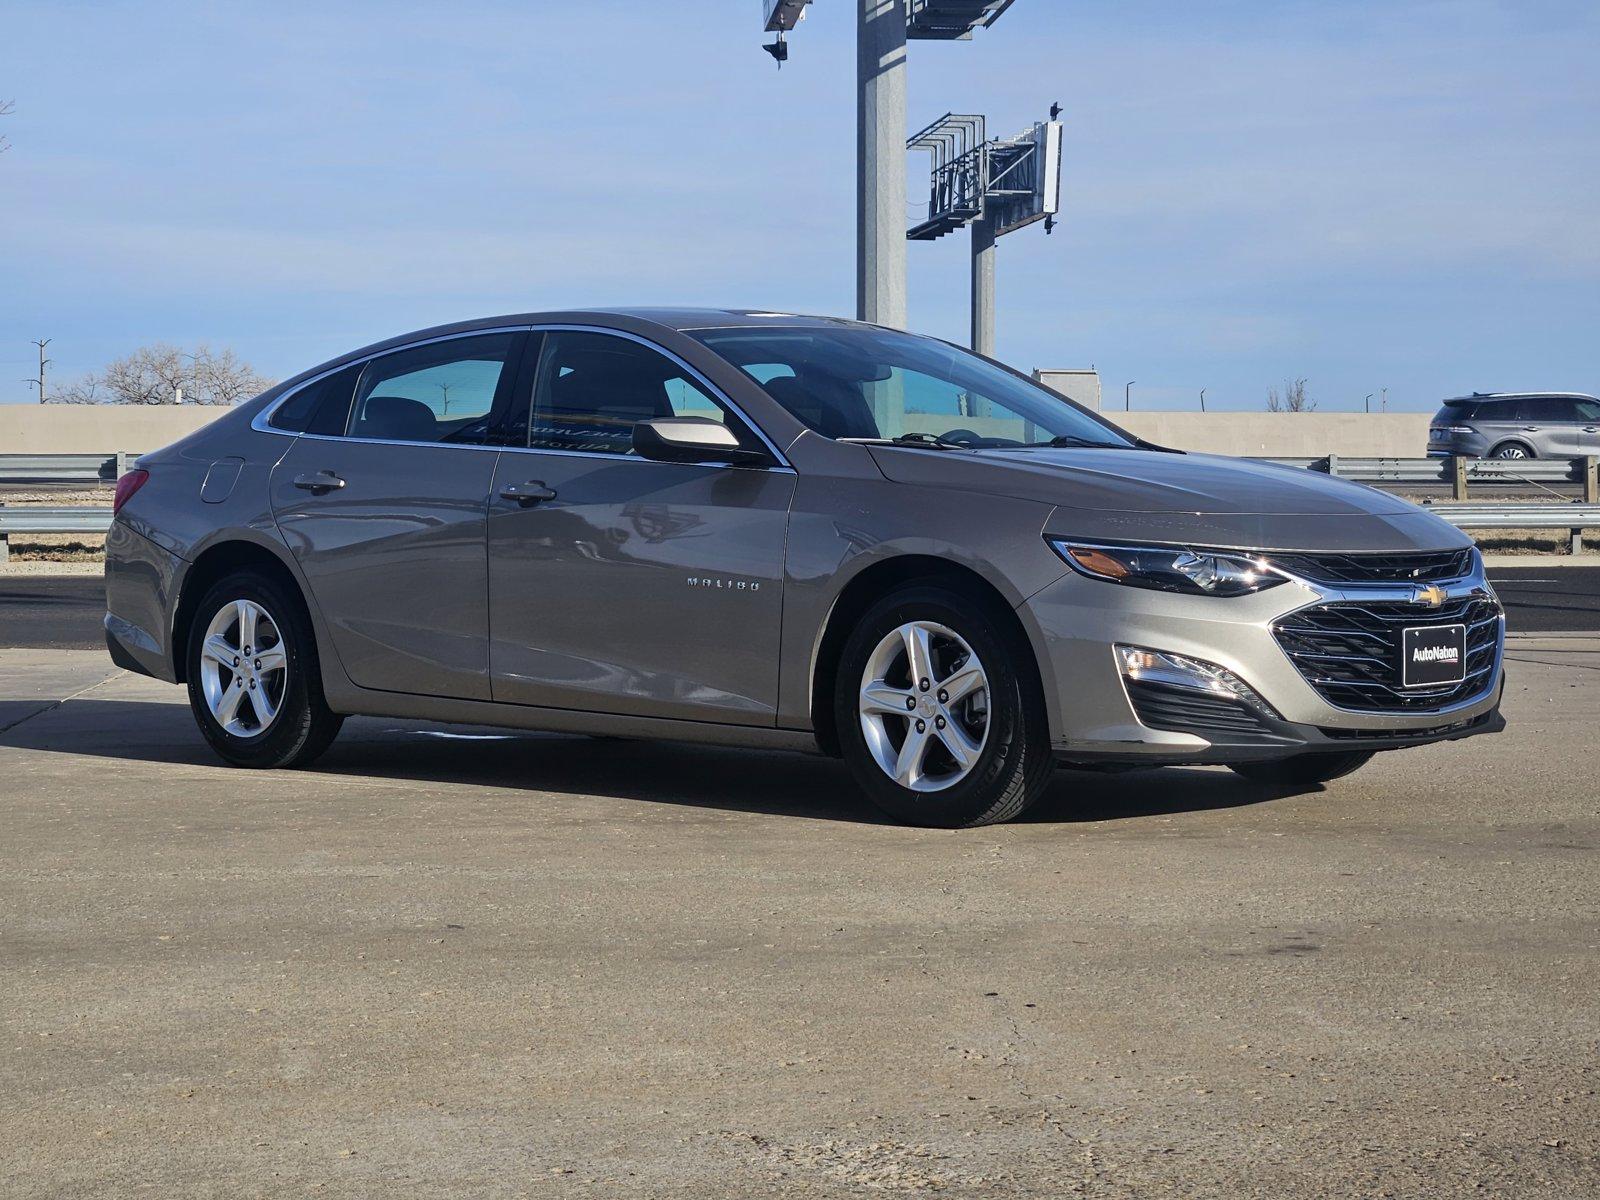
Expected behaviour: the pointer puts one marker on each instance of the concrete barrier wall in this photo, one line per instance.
(1257, 434)
(1284, 435)
(97, 428)
(88, 429)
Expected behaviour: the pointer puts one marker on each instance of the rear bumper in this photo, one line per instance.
(141, 591)
(1458, 445)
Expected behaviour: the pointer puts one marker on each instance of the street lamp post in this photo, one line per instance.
(1127, 396)
(1202, 399)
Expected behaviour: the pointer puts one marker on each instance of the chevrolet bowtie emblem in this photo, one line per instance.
(1433, 595)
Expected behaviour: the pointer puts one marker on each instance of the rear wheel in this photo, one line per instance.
(1512, 450)
(936, 721)
(254, 680)
(1304, 769)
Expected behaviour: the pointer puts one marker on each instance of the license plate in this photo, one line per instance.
(1433, 655)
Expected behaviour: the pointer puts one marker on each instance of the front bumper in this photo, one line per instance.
(1081, 621)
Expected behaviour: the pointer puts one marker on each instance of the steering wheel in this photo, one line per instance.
(962, 437)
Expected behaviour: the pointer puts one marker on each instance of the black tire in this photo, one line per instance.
(1015, 763)
(1507, 450)
(304, 725)
(1304, 770)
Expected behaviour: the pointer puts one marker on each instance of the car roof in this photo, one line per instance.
(1515, 396)
(625, 319)
(664, 316)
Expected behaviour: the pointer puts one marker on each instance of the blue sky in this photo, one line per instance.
(1370, 195)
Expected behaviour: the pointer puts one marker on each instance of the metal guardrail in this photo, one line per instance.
(1572, 517)
(1575, 517)
(1457, 472)
(32, 518)
(64, 468)
(42, 519)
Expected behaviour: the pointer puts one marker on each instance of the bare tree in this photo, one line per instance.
(1291, 399)
(165, 374)
(218, 377)
(150, 375)
(7, 107)
(79, 391)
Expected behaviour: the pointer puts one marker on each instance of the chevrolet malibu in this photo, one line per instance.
(766, 530)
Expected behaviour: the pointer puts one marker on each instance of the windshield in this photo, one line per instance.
(875, 383)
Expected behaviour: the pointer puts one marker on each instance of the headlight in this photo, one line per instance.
(1168, 569)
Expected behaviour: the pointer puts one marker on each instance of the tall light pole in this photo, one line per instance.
(880, 162)
(1368, 401)
(1127, 396)
(43, 362)
(983, 239)
(1202, 399)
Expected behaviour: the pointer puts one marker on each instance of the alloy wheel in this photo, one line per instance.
(244, 668)
(924, 706)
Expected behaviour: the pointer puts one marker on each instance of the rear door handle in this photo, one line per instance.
(319, 481)
(531, 492)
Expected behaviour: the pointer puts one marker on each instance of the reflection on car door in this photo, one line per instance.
(621, 585)
(387, 518)
(1588, 426)
(1552, 422)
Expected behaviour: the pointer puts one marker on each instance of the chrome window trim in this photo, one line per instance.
(259, 422)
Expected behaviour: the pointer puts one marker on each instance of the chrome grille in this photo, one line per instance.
(1376, 568)
(1350, 651)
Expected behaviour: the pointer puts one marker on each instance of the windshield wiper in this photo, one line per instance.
(932, 441)
(1072, 439)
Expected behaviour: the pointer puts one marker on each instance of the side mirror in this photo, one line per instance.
(692, 440)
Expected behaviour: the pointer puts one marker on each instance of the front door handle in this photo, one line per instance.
(531, 492)
(318, 482)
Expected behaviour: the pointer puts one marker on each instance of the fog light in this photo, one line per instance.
(1179, 670)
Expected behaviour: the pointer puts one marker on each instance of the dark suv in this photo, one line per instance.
(1516, 425)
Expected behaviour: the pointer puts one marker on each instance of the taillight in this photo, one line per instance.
(126, 487)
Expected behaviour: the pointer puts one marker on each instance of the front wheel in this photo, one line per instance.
(1304, 769)
(937, 720)
(254, 681)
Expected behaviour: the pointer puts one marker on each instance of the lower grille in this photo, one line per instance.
(1350, 652)
(1431, 733)
(1185, 710)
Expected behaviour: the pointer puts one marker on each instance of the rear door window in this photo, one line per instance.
(442, 392)
(1548, 409)
(320, 407)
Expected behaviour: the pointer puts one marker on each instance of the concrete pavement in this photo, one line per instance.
(452, 962)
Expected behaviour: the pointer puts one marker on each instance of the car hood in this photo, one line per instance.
(1139, 481)
(1197, 499)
